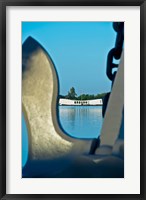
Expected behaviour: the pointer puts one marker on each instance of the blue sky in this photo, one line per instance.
(79, 51)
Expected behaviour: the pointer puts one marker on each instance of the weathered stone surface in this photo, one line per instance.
(39, 99)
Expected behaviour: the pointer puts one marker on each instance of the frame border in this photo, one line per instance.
(3, 5)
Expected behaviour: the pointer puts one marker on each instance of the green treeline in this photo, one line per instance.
(72, 95)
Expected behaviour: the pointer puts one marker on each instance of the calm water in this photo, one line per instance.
(78, 121)
(81, 121)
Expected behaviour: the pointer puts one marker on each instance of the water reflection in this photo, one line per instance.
(81, 121)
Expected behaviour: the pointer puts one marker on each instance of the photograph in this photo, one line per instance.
(72, 99)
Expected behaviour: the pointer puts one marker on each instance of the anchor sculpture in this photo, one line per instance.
(53, 153)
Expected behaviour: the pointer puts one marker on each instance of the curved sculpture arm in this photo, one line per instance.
(39, 98)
